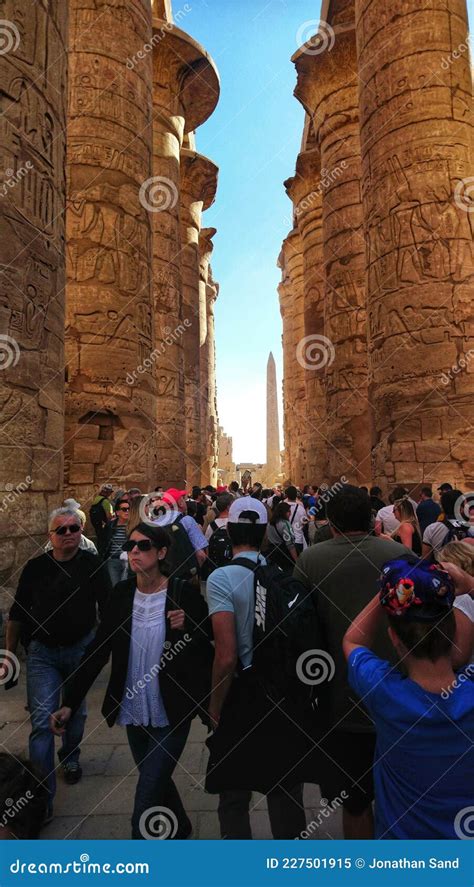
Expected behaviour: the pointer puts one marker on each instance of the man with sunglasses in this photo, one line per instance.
(113, 537)
(55, 606)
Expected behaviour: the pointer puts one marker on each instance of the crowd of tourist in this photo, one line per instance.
(323, 635)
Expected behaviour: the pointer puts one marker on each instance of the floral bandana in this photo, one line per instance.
(415, 590)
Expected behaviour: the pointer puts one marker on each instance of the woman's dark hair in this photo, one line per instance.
(448, 501)
(23, 796)
(426, 640)
(280, 512)
(157, 534)
(349, 510)
(121, 501)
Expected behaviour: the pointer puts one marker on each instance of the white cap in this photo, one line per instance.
(239, 508)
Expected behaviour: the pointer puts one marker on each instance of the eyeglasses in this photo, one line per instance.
(142, 545)
(68, 528)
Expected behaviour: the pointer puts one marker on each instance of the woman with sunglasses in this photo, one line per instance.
(157, 631)
(112, 540)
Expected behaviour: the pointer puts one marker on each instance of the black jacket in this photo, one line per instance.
(185, 673)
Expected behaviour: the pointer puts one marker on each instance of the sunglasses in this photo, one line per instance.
(122, 508)
(69, 528)
(142, 545)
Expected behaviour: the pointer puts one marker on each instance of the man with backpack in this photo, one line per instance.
(447, 530)
(220, 547)
(188, 549)
(261, 623)
(101, 510)
(297, 517)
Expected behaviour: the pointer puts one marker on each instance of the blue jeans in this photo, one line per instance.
(117, 569)
(47, 670)
(156, 751)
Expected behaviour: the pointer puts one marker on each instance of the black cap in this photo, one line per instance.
(444, 488)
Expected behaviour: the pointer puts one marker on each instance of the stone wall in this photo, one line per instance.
(382, 204)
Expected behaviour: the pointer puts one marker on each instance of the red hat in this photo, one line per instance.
(221, 490)
(172, 495)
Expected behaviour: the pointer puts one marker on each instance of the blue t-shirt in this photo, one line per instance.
(424, 757)
(230, 589)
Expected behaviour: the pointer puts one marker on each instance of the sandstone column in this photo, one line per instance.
(416, 138)
(33, 68)
(292, 271)
(185, 93)
(208, 291)
(305, 191)
(110, 393)
(327, 88)
(286, 312)
(272, 467)
(198, 188)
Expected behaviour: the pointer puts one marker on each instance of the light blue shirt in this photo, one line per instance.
(230, 589)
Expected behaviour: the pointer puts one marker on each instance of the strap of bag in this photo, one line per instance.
(294, 514)
(246, 562)
(214, 526)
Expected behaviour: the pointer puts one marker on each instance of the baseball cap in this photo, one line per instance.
(415, 590)
(107, 487)
(240, 512)
(172, 495)
(444, 488)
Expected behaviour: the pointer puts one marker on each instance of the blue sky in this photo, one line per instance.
(254, 136)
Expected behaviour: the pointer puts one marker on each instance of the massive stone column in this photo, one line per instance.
(416, 138)
(33, 70)
(327, 88)
(198, 189)
(185, 93)
(208, 292)
(110, 393)
(286, 310)
(291, 262)
(272, 467)
(305, 191)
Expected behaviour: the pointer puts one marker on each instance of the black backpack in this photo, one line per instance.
(457, 531)
(181, 557)
(285, 630)
(220, 548)
(98, 516)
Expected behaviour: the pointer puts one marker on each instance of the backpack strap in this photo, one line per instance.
(178, 519)
(214, 526)
(293, 515)
(246, 562)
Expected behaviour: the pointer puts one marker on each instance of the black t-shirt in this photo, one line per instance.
(56, 601)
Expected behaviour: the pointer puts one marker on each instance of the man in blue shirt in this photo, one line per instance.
(231, 600)
(424, 757)
(427, 510)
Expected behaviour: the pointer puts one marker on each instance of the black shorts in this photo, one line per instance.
(346, 761)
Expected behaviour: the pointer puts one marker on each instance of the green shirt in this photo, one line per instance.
(106, 504)
(343, 573)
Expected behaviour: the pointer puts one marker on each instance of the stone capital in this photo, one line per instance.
(198, 177)
(183, 65)
(321, 74)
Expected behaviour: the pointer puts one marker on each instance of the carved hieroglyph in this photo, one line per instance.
(110, 395)
(327, 88)
(185, 92)
(416, 141)
(33, 104)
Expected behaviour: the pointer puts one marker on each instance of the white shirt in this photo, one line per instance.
(389, 521)
(296, 519)
(142, 704)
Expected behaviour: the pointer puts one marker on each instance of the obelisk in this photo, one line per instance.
(273, 433)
